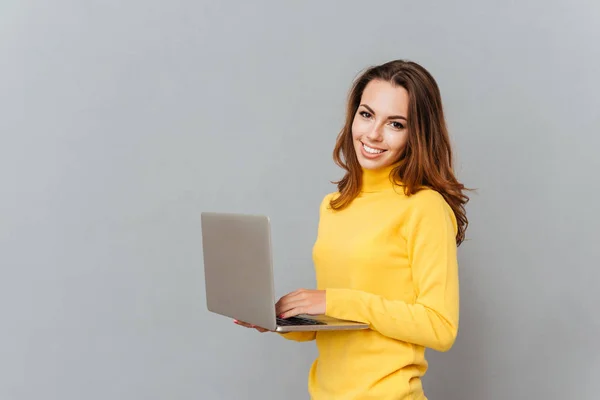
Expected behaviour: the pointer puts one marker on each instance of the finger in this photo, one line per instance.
(290, 296)
(293, 312)
(289, 305)
(259, 328)
(247, 325)
(242, 323)
(298, 295)
(282, 300)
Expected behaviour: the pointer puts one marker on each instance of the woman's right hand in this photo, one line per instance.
(246, 325)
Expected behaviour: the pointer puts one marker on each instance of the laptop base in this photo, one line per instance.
(321, 323)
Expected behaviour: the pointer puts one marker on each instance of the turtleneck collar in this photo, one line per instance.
(376, 180)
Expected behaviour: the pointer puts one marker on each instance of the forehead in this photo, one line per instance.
(385, 98)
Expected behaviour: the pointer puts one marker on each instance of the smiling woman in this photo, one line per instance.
(386, 246)
(403, 106)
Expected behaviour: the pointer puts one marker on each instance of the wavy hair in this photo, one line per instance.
(426, 161)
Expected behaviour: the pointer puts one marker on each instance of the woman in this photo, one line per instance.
(385, 252)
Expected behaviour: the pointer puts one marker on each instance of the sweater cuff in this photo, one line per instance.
(344, 304)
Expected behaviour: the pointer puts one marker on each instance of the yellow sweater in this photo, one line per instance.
(388, 260)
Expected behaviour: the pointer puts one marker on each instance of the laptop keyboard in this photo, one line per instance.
(291, 321)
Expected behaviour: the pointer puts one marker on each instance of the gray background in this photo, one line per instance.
(122, 120)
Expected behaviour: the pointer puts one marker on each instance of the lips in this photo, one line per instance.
(372, 150)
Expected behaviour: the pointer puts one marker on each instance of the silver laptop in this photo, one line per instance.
(238, 270)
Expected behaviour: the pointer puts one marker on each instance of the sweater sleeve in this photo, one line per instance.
(303, 336)
(432, 320)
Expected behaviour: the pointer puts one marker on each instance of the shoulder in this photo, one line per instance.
(428, 205)
(427, 198)
(327, 200)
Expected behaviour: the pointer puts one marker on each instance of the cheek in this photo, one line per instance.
(359, 128)
(397, 140)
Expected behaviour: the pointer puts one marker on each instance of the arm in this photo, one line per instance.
(432, 321)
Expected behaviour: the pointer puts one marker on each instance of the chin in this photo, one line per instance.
(373, 164)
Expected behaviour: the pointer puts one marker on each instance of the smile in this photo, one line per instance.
(371, 150)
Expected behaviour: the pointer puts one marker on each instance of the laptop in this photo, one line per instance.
(238, 271)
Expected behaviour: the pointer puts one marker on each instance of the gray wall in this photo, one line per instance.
(123, 120)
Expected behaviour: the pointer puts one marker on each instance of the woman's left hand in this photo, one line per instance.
(302, 301)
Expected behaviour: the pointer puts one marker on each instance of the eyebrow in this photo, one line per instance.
(390, 117)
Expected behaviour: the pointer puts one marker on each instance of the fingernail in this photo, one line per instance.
(235, 320)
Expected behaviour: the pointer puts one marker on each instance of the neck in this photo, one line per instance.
(376, 180)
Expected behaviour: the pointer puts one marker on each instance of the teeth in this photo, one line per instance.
(372, 150)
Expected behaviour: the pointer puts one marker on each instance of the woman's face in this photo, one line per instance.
(379, 127)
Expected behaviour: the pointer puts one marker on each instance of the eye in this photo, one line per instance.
(365, 114)
(397, 125)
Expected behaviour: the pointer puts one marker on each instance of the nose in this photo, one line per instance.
(375, 133)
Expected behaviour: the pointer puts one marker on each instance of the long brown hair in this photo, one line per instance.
(426, 161)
